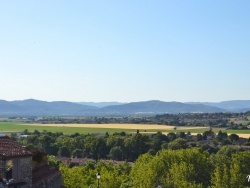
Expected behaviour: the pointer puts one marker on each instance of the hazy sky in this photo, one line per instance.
(125, 50)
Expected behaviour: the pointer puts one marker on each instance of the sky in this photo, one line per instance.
(125, 51)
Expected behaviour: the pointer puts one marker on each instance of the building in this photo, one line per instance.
(15, 164)
(17, 169)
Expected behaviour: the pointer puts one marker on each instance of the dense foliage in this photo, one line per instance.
(118, 146)
(122, 146)
(85, 176)
(166, 161)
(185, 168)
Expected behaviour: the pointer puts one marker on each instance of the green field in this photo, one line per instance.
(20, 126)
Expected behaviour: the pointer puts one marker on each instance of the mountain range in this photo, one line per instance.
(100, 104)
(31, 107)
(234, 105)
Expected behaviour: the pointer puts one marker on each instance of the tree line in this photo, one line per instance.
(229, 120)
(122, 146)
(184, 168)
(167, 161)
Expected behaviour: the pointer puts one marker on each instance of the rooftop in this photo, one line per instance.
(11, 149)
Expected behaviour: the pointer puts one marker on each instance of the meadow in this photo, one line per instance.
(110, 128)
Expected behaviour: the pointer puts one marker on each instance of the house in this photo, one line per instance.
(244, 147)
(80, 161)
(18, 169)
(15, 164)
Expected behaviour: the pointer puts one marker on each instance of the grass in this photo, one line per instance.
(19, 127)
(103, 128)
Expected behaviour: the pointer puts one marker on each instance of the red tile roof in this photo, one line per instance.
(11, 149)
(81, 160)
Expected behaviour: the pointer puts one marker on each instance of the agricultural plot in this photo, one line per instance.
(110, 128)
(119, 126)
(19, 127)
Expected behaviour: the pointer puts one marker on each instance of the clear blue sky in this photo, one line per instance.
(125, 50)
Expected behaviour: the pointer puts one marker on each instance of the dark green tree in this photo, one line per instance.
(116, 153)
(178, 143)
(64, 152)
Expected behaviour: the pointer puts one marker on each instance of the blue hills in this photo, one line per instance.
(34, 107)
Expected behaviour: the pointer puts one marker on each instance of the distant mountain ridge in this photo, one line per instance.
(160, 107)
(36, 107)
(32, 107)
(233, 105)
(100, 104)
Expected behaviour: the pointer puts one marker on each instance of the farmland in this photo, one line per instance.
(110, 128)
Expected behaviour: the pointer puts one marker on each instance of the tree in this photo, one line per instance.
(116, 153)
(157, 140)
(207, 134)
(152, 152)
(136, 145)
(234, 137)
(44, 143)
(199, 137)
(181, 134)
(113, 141)
(227, 150)
(221, 177)
(36, 132)
(66, 141)
(164, 146)
(165, 169)
(143, 174)
(53, 162)
(33, 140)
(13, 136)
(234, 170)
(85, 176)
(179, 143)
(171, 136)
(25, 132)
(221, 136)
(95, 147)
(64, 152)
(77, 153)
(181, 176)
(240, 165)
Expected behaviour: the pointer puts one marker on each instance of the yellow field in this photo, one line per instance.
(118, 126)
(165, 129)
(244, 135)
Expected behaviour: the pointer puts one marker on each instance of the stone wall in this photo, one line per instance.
(2, 167)
(22, 171)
